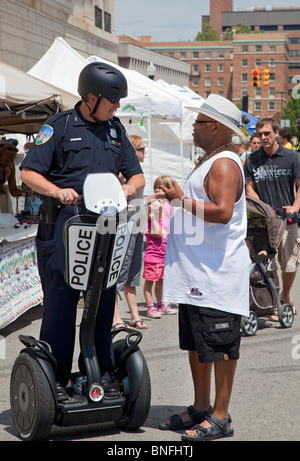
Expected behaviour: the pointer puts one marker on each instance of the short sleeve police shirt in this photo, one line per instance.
(274, 176)
(68, 147)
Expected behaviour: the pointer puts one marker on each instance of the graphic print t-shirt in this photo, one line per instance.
(274, 176)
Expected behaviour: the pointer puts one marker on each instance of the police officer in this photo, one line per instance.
(86, 139)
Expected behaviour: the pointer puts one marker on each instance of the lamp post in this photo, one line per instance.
(151, 70)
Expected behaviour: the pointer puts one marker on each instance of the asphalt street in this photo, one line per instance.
(265, 404)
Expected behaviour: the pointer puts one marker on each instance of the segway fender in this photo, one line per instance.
(45, 366)
(134, 367)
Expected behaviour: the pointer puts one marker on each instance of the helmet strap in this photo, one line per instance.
(96, 107)
(92, 112)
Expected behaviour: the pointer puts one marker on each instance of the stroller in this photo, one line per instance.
(264, 233)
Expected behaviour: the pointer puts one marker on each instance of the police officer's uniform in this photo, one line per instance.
(67, 148)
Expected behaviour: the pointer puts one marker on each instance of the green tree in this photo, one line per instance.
(291, 111)
(239, 28)
(228, 34)
(208, 34)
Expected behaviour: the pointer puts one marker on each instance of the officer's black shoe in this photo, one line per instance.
(111, 387)
(61, 393)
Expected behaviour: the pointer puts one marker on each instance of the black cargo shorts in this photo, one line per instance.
(214, 334)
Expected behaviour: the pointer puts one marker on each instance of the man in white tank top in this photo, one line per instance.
(207, 269)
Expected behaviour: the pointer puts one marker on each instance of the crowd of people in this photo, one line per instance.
(200, 269)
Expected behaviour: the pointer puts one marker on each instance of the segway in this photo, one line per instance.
(96, 242)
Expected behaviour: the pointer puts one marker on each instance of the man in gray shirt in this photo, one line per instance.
(271, 173)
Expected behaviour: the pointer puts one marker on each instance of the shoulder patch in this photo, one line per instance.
(44, 135)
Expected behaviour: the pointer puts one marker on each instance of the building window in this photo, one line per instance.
(257, 106)
(221, 54)
(293, 40)
(195, 81)
(245, 49)
(182, 54)
(195, 68)
(221, 93)
(207, 54)
(98, 17)
(244, 62)
(244, 92)
(272, 105)
(271, 92)
(208, 82)
(220, 81)
(272, 62)
(220, 67)
(207, 67)
(195, 54)
(107, 22)
(170, 53)
(258, 48)
(272, 48)
(244, 77)
(257, 62)
(272, 77)
(207, 93)
(258, 92)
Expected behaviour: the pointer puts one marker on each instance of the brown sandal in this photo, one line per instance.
(142, 327)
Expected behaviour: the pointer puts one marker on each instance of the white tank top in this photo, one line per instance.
(208, 264)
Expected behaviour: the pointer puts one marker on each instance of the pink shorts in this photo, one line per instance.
(153, 271)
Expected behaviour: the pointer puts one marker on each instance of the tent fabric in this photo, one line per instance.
(251, 124)
(26, 102)
(61, 66)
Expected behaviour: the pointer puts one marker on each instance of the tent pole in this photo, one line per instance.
(181, 153)
(150, 152)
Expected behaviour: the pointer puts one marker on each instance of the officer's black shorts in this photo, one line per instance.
(214, 334)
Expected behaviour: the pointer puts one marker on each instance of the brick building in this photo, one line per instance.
(29, 27)
(225, 67)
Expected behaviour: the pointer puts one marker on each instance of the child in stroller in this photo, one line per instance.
(265, 229)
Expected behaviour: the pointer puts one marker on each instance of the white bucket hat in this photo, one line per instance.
(222, 110)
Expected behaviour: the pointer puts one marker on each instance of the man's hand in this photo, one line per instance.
(172, 194)
(129, 190)
(67, 196)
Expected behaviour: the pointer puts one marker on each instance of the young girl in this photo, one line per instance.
(154, 257)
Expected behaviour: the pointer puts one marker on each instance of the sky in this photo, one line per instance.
(171, 20)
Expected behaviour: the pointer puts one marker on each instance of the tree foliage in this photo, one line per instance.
(208, 34)
(291, 111)
(239, 28)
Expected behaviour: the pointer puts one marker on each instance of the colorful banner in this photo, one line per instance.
(20, 286)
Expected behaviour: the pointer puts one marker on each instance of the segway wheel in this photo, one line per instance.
(138, 409)
(32, 401)
(249, 324)
(286, 315)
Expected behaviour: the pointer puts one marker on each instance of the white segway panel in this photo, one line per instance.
(123, 234)
(103, 193)
(81, 242)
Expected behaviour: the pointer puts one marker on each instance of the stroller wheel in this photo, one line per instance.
(286, 315)
(249, 324)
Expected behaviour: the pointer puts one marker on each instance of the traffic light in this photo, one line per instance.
(255, 77)
(265, 77)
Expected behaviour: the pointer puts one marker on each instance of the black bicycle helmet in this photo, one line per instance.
(102, 80)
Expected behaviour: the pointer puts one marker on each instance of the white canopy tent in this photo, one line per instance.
(26, 102)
